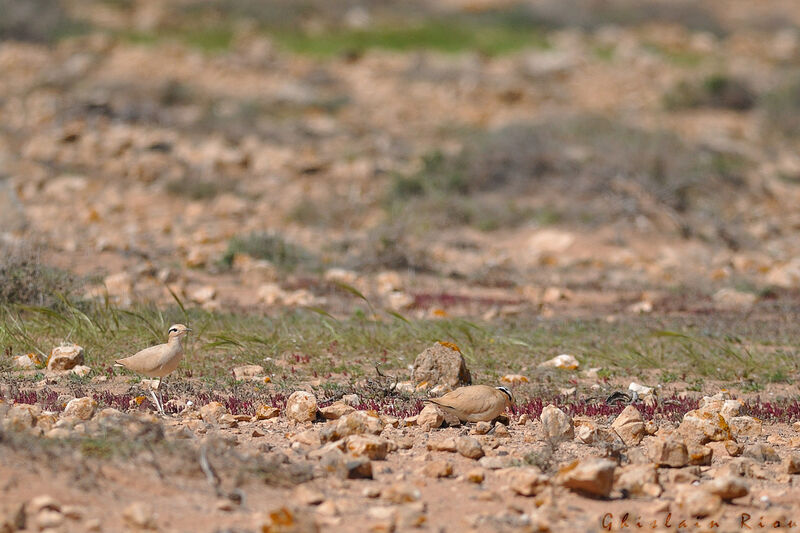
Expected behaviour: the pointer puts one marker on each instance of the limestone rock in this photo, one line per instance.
(699, 454)
(437, 469)
(745, 426)
(527, 481)
(496, 462)
(288, 520)
(301, 407)
(441, 365)
(21, 417)
(728, 299)
(355, 423)
(733, 448)
(514, 379)
(501, 431)
(309, 437)
(65, 357)
(212, 411)
(47, 520)
(308, 495)
(469, 447)
(248, 371)
(430, 417)
(588, 431)
(697, 501)
(761, 453)
(140, 515)
(443, 445)
(12, 519)
(81, 370)
(351, 399)
(728, 487)
(401, 493)
(668, 451)
(730, 409)
(742, 467)
(42, 503)
(336, 410)
(265, 412)
(376, 448)
(202, 295)
(562, 362)
(482, 428)
(638, 481)
(792, 463)
(81, 408)
(629, 425)
(593, 476)
(476, 475)
(411, 515)
(557, 424)
(704, 425)
(358, 468)
(25, 362)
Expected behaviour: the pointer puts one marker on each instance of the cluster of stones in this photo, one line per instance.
(712, 457)
(67, 358)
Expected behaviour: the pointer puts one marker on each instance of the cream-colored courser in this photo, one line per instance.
(475, 403)
(158, 361)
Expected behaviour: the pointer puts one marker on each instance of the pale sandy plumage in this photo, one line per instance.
(158, 361)
(475, 403)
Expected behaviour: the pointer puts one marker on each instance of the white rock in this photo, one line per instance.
(728, 487)
(248, 371)
(81, 370)
(140, 514)
(594, 476)
(557, 424)
(641, 390)
(629, 425)
(301, 407)
(430, 417)
(81, 408)
(65, 357)
(696, 501)
(562, 362)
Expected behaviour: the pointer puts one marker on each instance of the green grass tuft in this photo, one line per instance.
(274, 248)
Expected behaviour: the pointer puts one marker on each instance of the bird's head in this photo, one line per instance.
(177, 331)
(508, 394)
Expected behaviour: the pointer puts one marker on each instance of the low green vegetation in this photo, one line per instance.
(307, 344)
(782, 108)
(41, 21)
(27, 280)
(209, 39)
(439, 35)
(196, 188)
(274, 248)
(521, 175)
(714, 91)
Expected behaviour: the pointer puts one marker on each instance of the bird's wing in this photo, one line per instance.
(467, 400)
(143, 360)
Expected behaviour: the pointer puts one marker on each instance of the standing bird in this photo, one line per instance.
(475, 403)
(158, 361)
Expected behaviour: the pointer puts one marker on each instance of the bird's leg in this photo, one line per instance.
(155, 399)
(161, 398)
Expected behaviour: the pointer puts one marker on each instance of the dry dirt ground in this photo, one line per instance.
(631, 162)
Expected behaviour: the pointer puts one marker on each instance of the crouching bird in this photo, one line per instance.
(158, 361)
(475, 403)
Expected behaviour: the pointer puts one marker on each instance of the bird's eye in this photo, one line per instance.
(173, 330)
